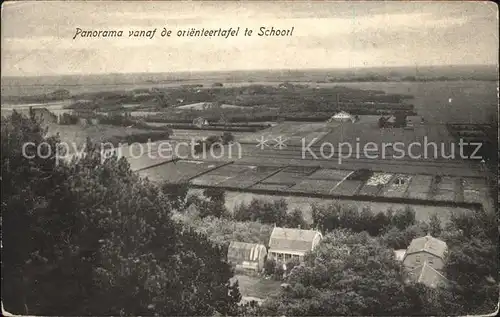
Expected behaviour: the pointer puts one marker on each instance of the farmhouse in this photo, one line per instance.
(426, 249)
(286, 244)
(247, 256)
(342, 116)
(424, 259)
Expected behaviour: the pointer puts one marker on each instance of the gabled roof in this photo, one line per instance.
(292, 239)
(428, 244)
(241, 251)
(391, 119)
(426, 275)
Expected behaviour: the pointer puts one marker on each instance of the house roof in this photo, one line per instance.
(428, 244)
(391, 119)
(426, 274)
(241, 251)
(292, 239)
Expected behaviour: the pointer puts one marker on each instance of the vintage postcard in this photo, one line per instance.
(246, 158)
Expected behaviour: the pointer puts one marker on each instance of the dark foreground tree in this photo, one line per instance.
(91, 238)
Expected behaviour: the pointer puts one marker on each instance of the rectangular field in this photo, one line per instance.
(330, 174)
(420, 186)
(397, 187)
(347, 187)
(294, 132)
(315, 186)
(475, 190)
(177, 172)
(249, 176)
(447, 189)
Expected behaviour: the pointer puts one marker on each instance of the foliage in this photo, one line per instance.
(473, 265)
(224, 230)
(227, 137)
(334, 216)
(87, 238)
(176, 194)
(401, 239)
(149, 136)
(348, 274)
(296, 220)
(68, 119)
(270, 212)
(435, 227)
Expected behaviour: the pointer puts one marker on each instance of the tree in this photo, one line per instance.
(176, 194)
(472, 265)
(382, 122)
(348, 274)
(92, 238)
(296, 220)
(402, 219)
(435, 225)
(270, 212)
(227, 137)
(400, 119)
(215, 194)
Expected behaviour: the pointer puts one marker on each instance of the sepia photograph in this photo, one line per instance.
(249, 158)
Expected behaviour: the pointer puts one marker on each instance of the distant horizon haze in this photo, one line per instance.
(382, 70)
(37, 37)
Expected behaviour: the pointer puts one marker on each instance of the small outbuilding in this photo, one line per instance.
(342, 116)
(247, 257)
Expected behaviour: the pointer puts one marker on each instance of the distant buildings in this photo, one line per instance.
(342, 116)
(398, 120)
(200, 122)
(424, 260)
(247, 257)
(286, 244)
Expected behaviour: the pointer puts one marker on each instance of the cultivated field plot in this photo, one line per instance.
(146, 161)
(177, 172)
(182, 134)
(286, 178)
(221, 174)
(209, 180)
(420, 186)
(475, 190)
(347, 187)
(397, 187)
(239, 176)
(447, 188)
(321, 181)
(375, 184)
(315, 186)
(433, 141)
(330, 174)
(292, 132)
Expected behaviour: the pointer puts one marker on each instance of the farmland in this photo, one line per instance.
(295, 110)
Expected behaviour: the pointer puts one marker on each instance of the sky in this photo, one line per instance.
(37, 37)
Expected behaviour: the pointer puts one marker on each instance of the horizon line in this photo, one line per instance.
(257, 70)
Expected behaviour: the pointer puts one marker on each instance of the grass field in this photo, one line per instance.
(179, 171)
(293, 132)
(258, 287)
